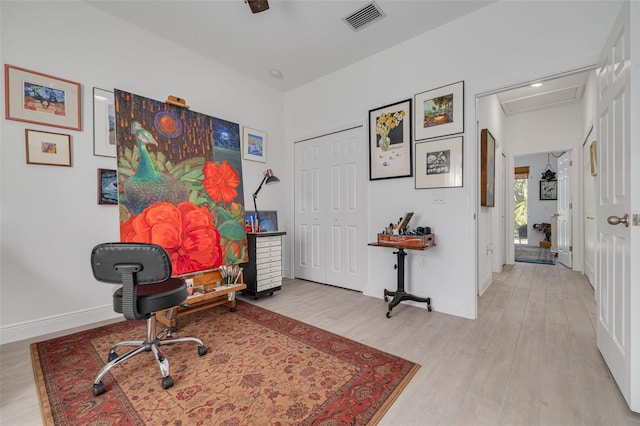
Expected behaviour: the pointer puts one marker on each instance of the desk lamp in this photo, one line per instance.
(268, 179)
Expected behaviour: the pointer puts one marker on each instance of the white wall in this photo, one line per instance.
(500, 45)
(50, 217)
(490, 244)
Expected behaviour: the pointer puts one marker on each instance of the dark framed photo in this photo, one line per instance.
(390, 154)
(39, 98)
(48, 148)
(487, 168)
(439, 112)
(439, 163)
(107, 186)
(548, 189)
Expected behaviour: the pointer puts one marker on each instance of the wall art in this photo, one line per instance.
(104, 123)
(548, 189)
(254, 145)
(180, 183)
(439, 163)
(268, 220)
(107, 186)
(39, 98)
(390, 154)
(439, 112)
(52, 149)
(487, 168)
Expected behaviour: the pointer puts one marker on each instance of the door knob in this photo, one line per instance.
(615, 220)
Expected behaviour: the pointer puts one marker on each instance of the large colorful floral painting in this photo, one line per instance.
(180, 183)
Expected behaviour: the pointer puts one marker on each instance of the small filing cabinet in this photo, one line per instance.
(263, 272)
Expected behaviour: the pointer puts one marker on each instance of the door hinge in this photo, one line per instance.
(570, 205)
(570, 163)
(570, 248)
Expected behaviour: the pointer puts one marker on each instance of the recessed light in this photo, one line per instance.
(536, 85)
(275, 73)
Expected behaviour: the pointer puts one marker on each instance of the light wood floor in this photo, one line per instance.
(529, 359)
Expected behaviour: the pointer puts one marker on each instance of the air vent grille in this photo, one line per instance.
(364, 17)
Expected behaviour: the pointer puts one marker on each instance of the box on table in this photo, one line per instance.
(409, 241)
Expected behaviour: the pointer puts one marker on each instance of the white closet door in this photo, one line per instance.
(329, 206)
(564, 210)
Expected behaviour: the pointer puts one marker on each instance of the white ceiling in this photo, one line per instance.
(304, 39)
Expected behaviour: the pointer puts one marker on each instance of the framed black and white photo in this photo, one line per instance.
(439, 112)
(548, 189)
(439, 163)
(390, 141)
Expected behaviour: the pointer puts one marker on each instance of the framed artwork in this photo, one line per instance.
(268, 219)
(53, 149)
(440, 112)
(439, 163)
(39, 98)
(107, 186)
(104, 123)
(548, 189)
(593, 157)
(254, 145)
(390, 153)
(487, 168)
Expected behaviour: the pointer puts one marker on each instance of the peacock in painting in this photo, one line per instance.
(148, 186)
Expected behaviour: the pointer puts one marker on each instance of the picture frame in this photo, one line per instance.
(487, 168)
(48, 148)
(254, 145)
(38, 98)
(593, 158)
(439, 112)
(107, 186)
(439, 163)
(268, 219)
(390, 153)
(548, 190)
(104, 123)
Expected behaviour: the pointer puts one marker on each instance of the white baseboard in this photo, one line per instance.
(485, 284)
(41, 326)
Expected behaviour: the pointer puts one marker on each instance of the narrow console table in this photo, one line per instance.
(400, 294)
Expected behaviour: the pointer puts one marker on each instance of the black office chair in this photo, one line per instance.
(144, 270)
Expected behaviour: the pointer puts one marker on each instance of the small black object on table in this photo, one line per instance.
(400, 294)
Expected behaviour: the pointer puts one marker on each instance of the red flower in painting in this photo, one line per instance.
(186, 232)
(221, 181)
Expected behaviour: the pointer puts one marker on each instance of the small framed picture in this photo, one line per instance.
(439, 163)
(52, 149)
(439, 112)
(39, 98)
(107, 186)
(254, 145)
(104, 123)
(390, 141)
(548, 189)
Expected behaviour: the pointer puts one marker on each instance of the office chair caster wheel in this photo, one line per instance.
(99, 389)
(167, 382)
(389, 314)
(112, 355)
(202, 350)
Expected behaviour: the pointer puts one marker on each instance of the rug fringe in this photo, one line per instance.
(41, 388)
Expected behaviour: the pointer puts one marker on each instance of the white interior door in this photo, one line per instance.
(589, 214)
(564, 210)
(329, 209)
(615, 330)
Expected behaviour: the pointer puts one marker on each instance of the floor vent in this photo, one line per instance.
(364, 17)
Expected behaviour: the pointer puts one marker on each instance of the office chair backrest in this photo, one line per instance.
(149, 263)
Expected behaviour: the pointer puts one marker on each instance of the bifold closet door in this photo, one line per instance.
(329, 217)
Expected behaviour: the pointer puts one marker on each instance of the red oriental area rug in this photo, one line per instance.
(262, 368)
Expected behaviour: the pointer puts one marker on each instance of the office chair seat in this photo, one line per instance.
(155, 297)
(144, 270)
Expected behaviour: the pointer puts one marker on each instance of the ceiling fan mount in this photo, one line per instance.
(258, 6)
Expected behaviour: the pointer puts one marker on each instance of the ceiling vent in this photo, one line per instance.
(364, 17)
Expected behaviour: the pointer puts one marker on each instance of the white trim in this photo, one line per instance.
(55, 323)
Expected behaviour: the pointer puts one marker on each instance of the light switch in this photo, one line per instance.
(438, 198)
